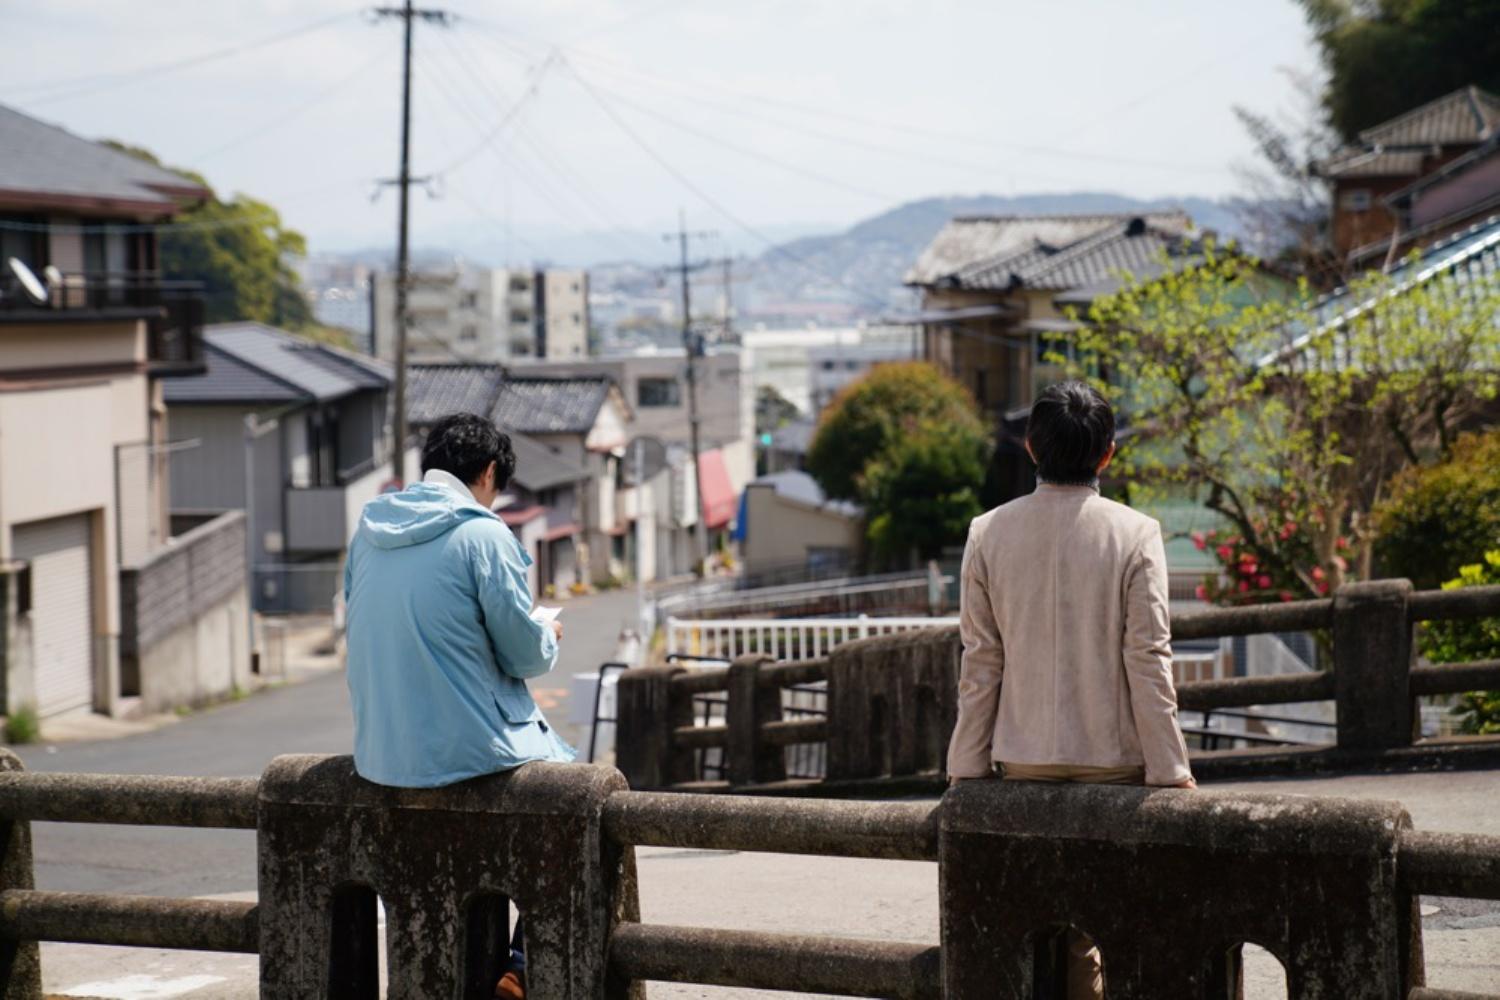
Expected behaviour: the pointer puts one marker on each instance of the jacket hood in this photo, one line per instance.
(417, 514)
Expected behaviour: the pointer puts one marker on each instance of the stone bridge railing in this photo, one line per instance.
(1169, 885)
(892, 701)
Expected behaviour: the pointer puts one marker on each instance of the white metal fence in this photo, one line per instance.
(782, 638)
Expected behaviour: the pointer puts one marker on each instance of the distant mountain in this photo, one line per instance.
(863, 265)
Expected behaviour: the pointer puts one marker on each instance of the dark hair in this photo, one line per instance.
(465, 444)
(1070, 430)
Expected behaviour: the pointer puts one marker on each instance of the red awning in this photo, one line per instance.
(516, 516)
(718, 499)
(561, 531)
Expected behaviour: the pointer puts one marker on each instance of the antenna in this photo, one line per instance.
(34, 289)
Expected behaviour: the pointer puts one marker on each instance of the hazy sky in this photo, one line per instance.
(767, 113)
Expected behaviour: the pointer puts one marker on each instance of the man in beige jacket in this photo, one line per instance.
(1067, 657)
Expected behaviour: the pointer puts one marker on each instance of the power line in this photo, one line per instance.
(126, 77)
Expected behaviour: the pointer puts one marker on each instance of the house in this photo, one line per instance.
(295, 434)
(786, 523)
(1418, 177)
(103, 605)
(999, 295)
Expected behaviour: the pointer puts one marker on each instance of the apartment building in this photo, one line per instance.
(485, 315)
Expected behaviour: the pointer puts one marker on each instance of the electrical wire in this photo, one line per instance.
(124, 78)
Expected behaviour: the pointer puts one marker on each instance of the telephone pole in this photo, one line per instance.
(691, 348)
(404, 180)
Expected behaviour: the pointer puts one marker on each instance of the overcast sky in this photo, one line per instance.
(610, 114)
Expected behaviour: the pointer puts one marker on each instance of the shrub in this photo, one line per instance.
(23, 726)
(1473, 639)
(1436, 517)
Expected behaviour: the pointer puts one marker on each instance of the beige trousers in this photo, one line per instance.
(1085, 967)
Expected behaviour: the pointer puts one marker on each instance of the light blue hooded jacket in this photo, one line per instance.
(441, 642)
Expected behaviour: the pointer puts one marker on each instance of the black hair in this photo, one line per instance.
(465, 444)
(1070, 430)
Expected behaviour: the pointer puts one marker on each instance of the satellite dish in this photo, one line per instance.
(653, 458)
(34, 289)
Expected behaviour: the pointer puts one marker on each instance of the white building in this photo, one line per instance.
(783, 359)
(465, 313)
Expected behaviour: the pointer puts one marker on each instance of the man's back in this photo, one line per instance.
(1065, 609)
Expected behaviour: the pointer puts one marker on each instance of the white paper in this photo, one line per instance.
(545, 615)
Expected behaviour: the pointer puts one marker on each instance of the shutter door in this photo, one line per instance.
(62, 619)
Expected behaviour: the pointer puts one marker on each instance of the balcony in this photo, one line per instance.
(322, 518)
(173, 310)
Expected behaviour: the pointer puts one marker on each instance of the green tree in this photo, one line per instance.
(1384, 57)
(862, 421)
(240, 250)
(909, 444)
(1464, 641)
(1284, 420)
(1435, 518)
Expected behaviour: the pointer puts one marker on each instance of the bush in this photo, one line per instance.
(1463, 641)
(1437, 516)
(23, 726)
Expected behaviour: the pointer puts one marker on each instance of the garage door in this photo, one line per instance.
(61, 610)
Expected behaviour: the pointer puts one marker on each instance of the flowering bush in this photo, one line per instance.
(1280, 565)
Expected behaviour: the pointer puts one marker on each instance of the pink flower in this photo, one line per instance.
(1317, 572)
(1264, 581)
(1341, 563)
(1244, 586)
(1287, 530)
(1286, 595)
(1225, 553)
(1248, 566)
(1323, 586)
(1199, 542)
(1200, 592)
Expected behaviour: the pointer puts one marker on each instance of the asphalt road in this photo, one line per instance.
(240, 739)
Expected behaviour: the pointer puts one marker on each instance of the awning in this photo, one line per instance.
(514, 517)
(561, 531)
(718, 499)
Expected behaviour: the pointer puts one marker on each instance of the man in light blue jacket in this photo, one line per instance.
(440, 635)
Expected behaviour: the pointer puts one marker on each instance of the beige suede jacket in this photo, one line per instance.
(1067, 641)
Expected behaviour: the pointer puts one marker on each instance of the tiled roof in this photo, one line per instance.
(1466, 115)
(252, 362)
(1475, 157)
(969, 244)
(434, 391)
(540, 468)
(46, 165)
(535, 404)
(228, 380)
(1400, 146)
(1374, 163)
(1131, 245)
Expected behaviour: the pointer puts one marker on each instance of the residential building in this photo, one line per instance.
(1402, 177)
(102, 605)
(484, 315)
(295, 434)
(831, 369)
(654, 383)
(786, 523)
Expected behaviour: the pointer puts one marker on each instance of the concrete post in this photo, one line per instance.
(648, 710)
(446, 862)
(1313, 881)
(1372, 655)
(20, 966)
(748, 760)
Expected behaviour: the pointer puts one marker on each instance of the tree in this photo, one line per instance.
(1287, 421)
(862, 420)
(240, 250)
(908, 443)
(772, 410)
(1385, 57)
(1436, 519)
(1466, 641)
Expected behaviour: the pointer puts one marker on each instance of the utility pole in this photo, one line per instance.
(404, 180)
(691, 348)
(728, 335)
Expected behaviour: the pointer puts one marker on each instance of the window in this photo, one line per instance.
(658, 392)
(520, 316)
(470, 300)
(1356, 200)
(469, 334)
(519, 284)
(827, 366)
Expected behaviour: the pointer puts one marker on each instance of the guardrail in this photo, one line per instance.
(1169, 883)
(892, 700)
(885, 594)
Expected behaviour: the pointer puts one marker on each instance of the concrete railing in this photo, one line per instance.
(892, 701)
(1167, 883)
